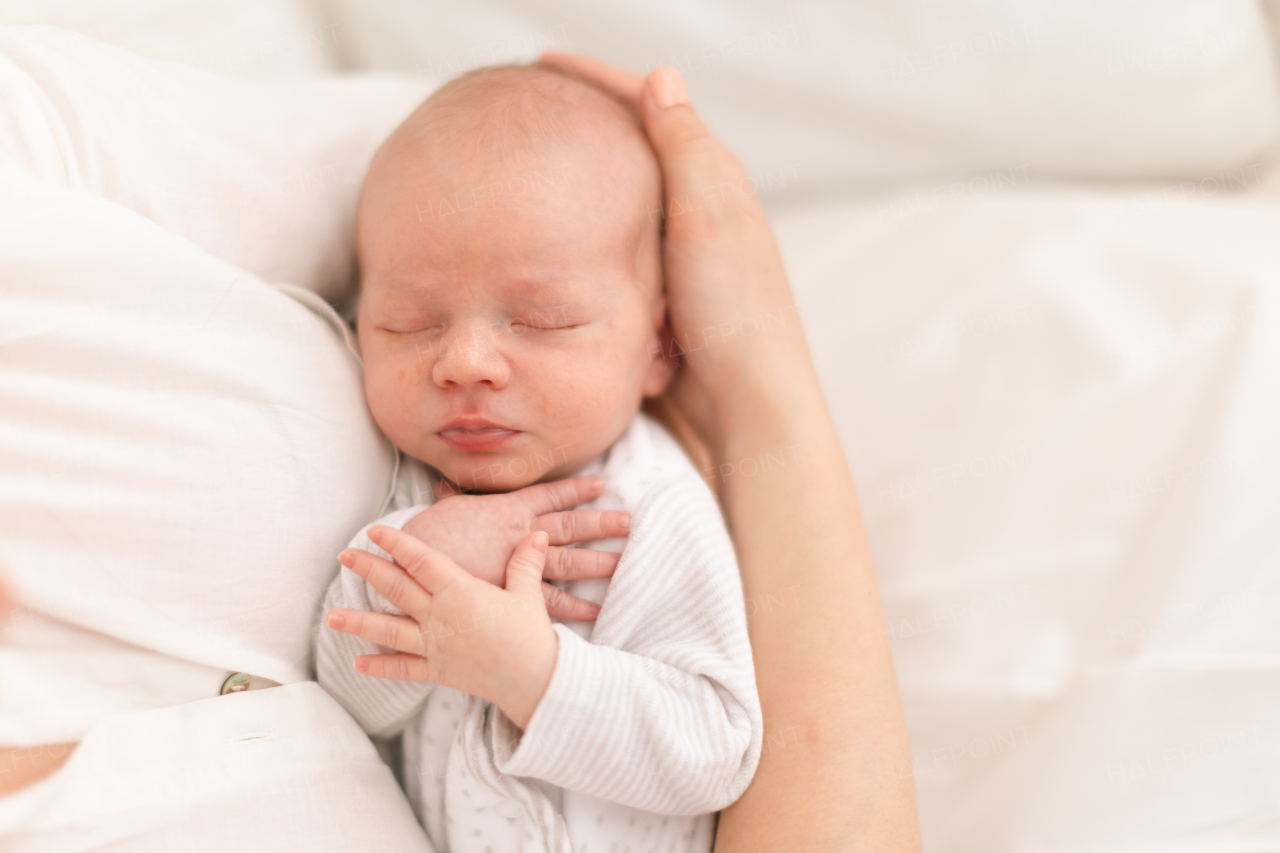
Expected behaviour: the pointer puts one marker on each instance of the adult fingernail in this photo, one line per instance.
(668, 88)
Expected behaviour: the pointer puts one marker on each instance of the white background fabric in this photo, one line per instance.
(823, 97)
(1058, 401)
(1061, 411)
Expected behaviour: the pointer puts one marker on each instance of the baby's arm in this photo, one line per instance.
(659, 711)
(382, 707)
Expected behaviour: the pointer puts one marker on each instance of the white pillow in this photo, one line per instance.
(816, 96)
(261, 175)
(185, 448)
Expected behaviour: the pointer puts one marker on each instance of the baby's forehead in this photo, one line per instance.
(495, 118)
(550, 163)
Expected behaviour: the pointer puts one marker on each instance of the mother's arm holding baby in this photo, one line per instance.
(833, 720)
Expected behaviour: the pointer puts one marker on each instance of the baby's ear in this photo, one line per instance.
(663, 353)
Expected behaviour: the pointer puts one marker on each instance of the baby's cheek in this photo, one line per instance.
(591, 402)
(394, 392)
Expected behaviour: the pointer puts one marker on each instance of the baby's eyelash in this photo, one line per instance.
(408, 331)
(545, 326)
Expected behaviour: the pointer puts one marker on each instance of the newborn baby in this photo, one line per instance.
(510, 319)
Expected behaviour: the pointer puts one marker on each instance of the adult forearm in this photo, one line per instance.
(823, 668)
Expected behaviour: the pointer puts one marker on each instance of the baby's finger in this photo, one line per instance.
(388, 579)
(562, 605)
(568, 564)
(583, 525)
(562, 494)
(400, 667)
(524, 570)
(393, 632)
(621, 84)
(430, 568)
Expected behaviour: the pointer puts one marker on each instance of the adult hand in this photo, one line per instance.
(727, 294)
(459, 631)
(479, 532)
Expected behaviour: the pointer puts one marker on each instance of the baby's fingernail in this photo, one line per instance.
(347, 558)
(337, 620)
(362, 665)
(668, 88)
(625, 521)
(540, 540)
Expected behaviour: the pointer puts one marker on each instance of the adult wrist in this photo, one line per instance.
(767, 397)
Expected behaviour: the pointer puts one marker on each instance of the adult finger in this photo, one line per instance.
(387, 578)
(562, 494)
(583, 525)
(432, 569)
(524, 570)
(401, 667)
(393, 632)
(621, 84)
(562, 605)
(570, 564)
(693, 160)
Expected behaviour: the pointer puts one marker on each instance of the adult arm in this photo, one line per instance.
(835, 739)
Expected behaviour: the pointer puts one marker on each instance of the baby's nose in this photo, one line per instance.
(470, 355)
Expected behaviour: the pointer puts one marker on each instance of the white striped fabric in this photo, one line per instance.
(651, 722)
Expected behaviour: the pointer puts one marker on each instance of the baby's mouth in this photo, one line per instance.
(474, 437)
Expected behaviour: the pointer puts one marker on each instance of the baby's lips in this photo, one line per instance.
(473, 440)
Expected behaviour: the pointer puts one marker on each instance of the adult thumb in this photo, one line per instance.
(524, 570)
(692, 159)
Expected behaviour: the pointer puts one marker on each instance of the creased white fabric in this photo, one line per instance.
(263, 175)
(651, 721)
(267, 771)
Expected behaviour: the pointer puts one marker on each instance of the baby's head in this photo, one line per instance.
(512, 277)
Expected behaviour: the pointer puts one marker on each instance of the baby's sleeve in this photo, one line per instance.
(381, 706)
(659, 711)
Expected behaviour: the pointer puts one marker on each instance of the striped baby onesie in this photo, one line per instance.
(651, 722)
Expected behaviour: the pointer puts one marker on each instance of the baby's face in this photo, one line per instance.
(511, 341)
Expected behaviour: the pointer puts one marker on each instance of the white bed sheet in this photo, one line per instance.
(1061, 409)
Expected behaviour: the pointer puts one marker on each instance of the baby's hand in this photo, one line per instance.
(459, 630)
(480, 531)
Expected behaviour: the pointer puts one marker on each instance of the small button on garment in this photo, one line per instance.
(237, 682)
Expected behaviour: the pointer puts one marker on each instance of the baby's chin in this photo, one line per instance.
(495, 474)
